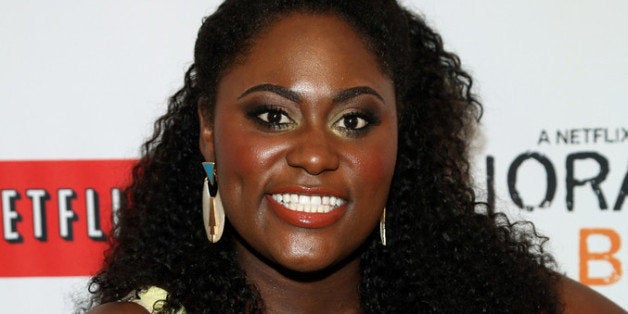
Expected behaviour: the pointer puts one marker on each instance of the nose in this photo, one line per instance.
(314, 152)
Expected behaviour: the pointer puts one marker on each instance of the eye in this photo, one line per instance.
(270, 117)
(352, 122)
(274, 117)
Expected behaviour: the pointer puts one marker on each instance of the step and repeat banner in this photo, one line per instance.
(81, 83)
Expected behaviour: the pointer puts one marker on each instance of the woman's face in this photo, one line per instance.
(305, 140)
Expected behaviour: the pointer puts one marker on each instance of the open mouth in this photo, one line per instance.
(309, 203)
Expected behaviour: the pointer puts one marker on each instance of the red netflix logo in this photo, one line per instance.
(56, 215)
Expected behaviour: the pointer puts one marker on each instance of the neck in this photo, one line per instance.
(330, 291)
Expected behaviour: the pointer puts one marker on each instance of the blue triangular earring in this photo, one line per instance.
(209, 169)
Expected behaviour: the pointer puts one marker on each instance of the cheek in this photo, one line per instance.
(243, 157)
(245, 154)
(375, 164)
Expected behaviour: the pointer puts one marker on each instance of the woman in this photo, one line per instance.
(321, 120)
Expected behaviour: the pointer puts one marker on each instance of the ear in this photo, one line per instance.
(206, 134)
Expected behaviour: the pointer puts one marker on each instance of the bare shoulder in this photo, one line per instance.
(118, 308)
(579, 298)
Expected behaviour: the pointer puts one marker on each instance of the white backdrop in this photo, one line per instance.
(85, 80)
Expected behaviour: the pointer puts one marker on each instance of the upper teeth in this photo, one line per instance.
(308, 203)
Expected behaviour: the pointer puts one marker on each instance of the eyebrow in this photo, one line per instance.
(342, 96)
(355, 92)
(279, 90)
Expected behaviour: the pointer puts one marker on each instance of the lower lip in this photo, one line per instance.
(303, 219)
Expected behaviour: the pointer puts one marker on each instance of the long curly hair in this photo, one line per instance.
(444, 254)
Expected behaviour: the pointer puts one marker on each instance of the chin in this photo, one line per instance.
(308, 271)
(312, 266)
(303, 263)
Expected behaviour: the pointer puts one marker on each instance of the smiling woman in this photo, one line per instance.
(322, 120)
(303, 121)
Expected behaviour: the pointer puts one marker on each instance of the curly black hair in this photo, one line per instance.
(444, 253)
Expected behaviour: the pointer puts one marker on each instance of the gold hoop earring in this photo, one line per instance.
(213, 211)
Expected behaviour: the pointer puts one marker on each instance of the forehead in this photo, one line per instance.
(319, 49)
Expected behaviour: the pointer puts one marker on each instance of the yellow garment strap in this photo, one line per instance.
(152, 299)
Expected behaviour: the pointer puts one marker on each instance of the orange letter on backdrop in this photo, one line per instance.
(586, 256)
